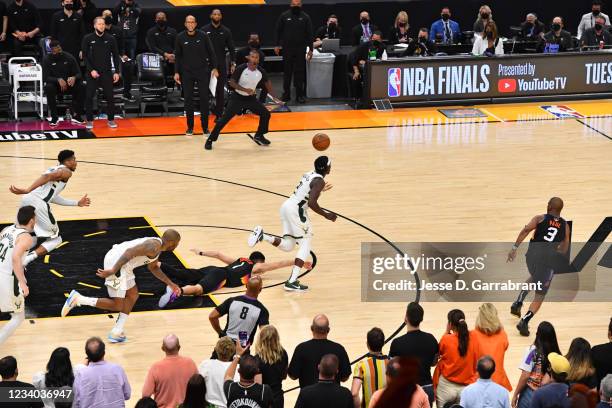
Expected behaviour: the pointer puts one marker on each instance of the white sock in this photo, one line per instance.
(268, 238)
(9, 328)
(30, 257)
(295, 273)
(86, 301)
(120, 322)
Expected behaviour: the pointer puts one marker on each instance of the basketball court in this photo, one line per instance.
(411, 175)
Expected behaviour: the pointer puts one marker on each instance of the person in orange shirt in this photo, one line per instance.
(457, 365)
(167, 379)
(492, 340)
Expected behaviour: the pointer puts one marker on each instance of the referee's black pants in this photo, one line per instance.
(105, 81)
(294, 65)
(237, 103)
(188, 79)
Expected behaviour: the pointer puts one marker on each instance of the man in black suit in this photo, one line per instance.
(327, 392)
(331, 30)
(363, 31)
(532, 28)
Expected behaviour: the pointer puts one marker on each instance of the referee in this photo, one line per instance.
(244, 81)
(195, 60)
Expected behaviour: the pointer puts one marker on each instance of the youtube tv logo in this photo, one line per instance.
(506, 85)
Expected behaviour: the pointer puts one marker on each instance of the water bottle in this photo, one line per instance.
(384, 55)
(68, 116)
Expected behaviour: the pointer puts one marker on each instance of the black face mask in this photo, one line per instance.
(69, 7)
(422, 39)
(56, 56)
(377, 43)
(528, 25)
(401, 25)
(296, 9)
(484, 16)
(254, 44)
(108, 20)
(596, 12)
(598, 27)
(490, 35)
(445, 16)
(161, 23)
(365, 20)
(332, 26)
(556, 27)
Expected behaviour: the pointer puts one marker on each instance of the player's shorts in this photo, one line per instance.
(541, 273)
(118, 286)
(46, 224)
(296, 223)
(11, 298)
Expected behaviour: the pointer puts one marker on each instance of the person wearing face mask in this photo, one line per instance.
(588, 20)
(398, 34)
(293, 35)
(88, 11)
(368, 51)
(127, 14)
(362, 32)
(532, 28)
(488, 43)
(329, 30)
(557, 39)
(422, 46)
(161, 40)
(127, 65)
(445, 30)
(484, 16)
(67, 28)
(24, 24)
(62, 75)
(597, 36)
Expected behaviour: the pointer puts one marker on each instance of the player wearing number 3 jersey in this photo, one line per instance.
(550, 238)
(296, 223)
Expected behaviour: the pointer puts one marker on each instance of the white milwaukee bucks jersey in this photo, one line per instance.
(302, 191)
(8, 237)
(50, 190)
(119, 249)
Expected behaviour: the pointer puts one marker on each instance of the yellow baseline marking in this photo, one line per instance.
(46, 259)
(88, 285)
(94, 233)
(214, 299)
(145, 293)
(56, 273)
(491, 114)
(62, 244)
(141, 227)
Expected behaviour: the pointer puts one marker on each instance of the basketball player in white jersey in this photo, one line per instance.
(44, 190)
(15, 241)
(122, 259)
(296, 224)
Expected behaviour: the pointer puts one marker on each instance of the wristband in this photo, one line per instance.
(515, 247)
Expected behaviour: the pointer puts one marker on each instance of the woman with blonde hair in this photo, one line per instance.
(484, 16)
(273, 362)
(581, 370)
(398, 34)
(488, 43)
(492, 341)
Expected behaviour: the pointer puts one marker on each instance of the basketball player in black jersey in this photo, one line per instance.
(198, 282)
(551, 237)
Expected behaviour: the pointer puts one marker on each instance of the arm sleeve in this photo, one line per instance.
(116, 58)
(59, 200)
(211, 52)
(392, 349)
(46, 66)
(295, 367)
(264, 317)
(86, 55)
(178, 55)
(36, 17)
(280, 25)
(230, 45)
(433, 30)
(223, 308)
(345, 365)
(355, 35)
(150, 42)
(75, 70)
(309, 34)
(581, 28)
(499, 48)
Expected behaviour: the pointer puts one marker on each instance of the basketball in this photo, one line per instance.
(320, 141)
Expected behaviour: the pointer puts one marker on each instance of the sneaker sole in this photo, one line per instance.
(515, 313)
(290, 289)
(253, 139)
(115, 340)
(67, 308)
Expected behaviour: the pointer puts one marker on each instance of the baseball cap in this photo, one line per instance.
(558, 363)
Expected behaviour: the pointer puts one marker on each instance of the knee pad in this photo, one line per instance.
(52, 243)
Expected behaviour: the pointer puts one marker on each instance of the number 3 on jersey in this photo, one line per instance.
(552, 233)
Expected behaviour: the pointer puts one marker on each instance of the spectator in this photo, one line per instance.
(597, 36)
(244, 313)
(485, 392)
(362, 32)
(417, 344)
(368, 51)
(330, 30)
(605, 392)
(308, 354)
(326, 393)
(167, 379)
(4, 15)
(9, 373)
(253, 44)
(293, 35)
(88, 11)
(581, 396)
(492, 341)
(146, 402)
(398, 34)
(402, 389)
(457, 365)
(581, 364)
(221, 38)
(101, 383)
(24, 25)
(127, 14)
(273, 362)
(101, 57)
(588, 20)
(532, 28)
(161, 40)
(484, 16)
(369, 372)
(602, 356)
(59, 374)
(62, 75)
(557, 39)
(67, 28)
(214, 370)
(422, 47)
(488, 43)
(535, 364)
(247, 391)
(553, 394)
(195, 393)
(127, 65)
(445, 30)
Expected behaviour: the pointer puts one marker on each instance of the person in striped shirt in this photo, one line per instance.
(369, 373)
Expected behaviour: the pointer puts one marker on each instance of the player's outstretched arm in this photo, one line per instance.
(149, 248)
(59, 174)
(531, 225)
(155, 269)
(316, 187)
(271, 266)
(214, 254)
(22, 245)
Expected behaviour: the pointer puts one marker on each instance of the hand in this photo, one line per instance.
(232, 67)
(71, 81)
(3, 37)
(196, 251)
(30, 34)
(124, 58)
(309, 55)
(514, 401)
(18, 191)
(215, 73)
(21, 36)
(105, 273)
(94, 74)
(84, 201)
(115, 78)
(362, 63)
(24, 288)
(356, 75)
(177, 78)
(331, 216)
(327, 186)
(277, 50)
(62, 84)
(239, 350)
(511, 255)
(175, 288)
(80, 55)
(308, 266)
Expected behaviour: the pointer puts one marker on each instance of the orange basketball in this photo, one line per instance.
(320, 141)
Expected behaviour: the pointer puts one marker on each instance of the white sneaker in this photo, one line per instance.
(89, 124)
(256, 236)
(70, 303)
(167, 298)
(117, 337)
(112, 124)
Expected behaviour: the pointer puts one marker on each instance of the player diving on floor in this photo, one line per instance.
(206, 280)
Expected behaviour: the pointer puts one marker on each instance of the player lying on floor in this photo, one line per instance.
(236, 273)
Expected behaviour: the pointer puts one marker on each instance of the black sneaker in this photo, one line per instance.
(206, 131)
(189, 132)
(53, 122)
(523, 328)
(286, 98)
(261, 140)
(295, 287)
(208, 144)
(515, 309)
(77, 119)
(301, 99)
